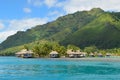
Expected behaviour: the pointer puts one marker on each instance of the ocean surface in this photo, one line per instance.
(13, 68)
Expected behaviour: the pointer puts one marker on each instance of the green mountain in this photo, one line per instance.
(84, 28)
(102, 32)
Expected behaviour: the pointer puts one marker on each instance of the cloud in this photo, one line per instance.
(24, 24)
(71, 6)
(50, 3)
(35, 2)
(27, 10)
(20, 25)
(29, 1)
(5, 34)
(1, 25)
(54, 14)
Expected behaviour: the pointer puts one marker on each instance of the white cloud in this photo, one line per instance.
(24, 24)
(1, 25)
(54, 14)
(35, 2)
(27, 10)
(20, 25)
(5, 34)
(71, 6)
(29, 1)
(50, 3)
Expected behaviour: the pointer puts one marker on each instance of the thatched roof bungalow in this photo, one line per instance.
(100, 55)
(92, 55)
(25, 53)
(108, 54)
(74, 54)
(83, 54)
(54, 54)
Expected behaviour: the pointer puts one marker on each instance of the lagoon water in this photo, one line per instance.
(12, 68)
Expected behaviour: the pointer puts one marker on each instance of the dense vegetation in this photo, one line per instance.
(43, 48)
(82, 29)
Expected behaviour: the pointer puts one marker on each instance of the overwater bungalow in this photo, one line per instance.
(54, 54)
(75, 54)
(70, 53)
(83, 54)
(92, 55)
(108, 54)
(24, 53)
(100, 55)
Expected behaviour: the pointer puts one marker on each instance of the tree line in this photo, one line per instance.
(43, 48)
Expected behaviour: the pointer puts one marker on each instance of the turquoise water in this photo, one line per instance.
(12, 68)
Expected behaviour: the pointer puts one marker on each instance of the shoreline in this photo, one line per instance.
(109, 59)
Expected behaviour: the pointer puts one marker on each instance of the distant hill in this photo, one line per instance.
(84, 28)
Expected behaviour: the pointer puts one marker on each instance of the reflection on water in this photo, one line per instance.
(46, 69)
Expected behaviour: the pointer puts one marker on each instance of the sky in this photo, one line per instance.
(20, 15)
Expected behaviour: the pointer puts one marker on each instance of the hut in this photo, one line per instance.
(83, 54)
(74, 54)
(54, 54)
(25, 53)
(70, 53)
(100, 55)
(18, 54)
(108, 54)
(91, 55)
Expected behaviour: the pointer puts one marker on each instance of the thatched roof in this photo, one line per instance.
(18, 53)
(108, 54)
(100, 54)
(91, 54)
(69, 52)
(25, 51)
(54, 52)
(84, 53)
